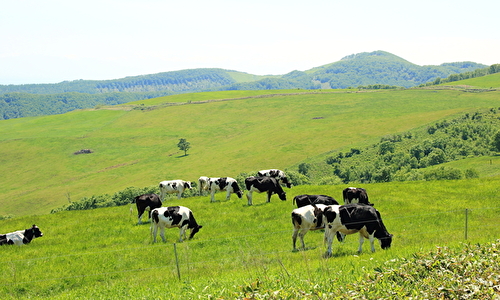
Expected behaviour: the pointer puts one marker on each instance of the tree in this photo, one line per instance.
(184, 146)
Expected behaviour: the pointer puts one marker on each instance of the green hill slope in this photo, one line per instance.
(229, 134)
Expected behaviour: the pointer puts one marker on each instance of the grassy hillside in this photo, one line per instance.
(244, 251)
(486, 82)
(257, 130)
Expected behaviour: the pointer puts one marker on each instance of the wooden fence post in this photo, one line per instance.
(177, 262)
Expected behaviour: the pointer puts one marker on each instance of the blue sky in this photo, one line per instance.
(48, 41)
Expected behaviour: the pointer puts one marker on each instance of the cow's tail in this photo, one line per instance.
(296, 219)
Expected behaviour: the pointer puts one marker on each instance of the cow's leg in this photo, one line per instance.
(140, 211)
(372, 240)
(154, 231)
(228, 194)
(328, 240)
(302, 233)
(269, 193)
(294, 238)
(212, 195)
(361, 241)
(249, 197)
(179, 194)
(182, 233)
(162, 233)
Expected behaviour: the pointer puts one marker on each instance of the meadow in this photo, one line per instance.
(137, 147)
(241, 251)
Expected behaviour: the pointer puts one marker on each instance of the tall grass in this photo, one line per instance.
(241, 250)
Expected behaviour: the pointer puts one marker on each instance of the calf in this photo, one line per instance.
(150, 201)
(305, 218)
(173, 186)
(20, 237)
(355, 195)
(228, 184)
(303, 200)
(278, 174)
(264, 184)
(173, 216)
(352, 218)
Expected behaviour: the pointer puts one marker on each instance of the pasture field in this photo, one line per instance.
(241, 251)
(251, 130)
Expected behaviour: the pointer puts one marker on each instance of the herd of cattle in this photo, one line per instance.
(313, 212)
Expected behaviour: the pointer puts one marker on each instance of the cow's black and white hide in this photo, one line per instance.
(203, 184)
(278, 174)
(352, 218)
(20, 237)
(355, 195)
(173, 187)
(305, 218)
(173, 216)
(228, 184)
(264, 184)
(146, 201)
(303, 200)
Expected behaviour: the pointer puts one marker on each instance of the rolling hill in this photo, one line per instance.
(355, 70)
(230, 132)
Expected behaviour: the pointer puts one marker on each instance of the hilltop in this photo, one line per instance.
(362, 69)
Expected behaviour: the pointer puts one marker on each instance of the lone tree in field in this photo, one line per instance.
(184, 145)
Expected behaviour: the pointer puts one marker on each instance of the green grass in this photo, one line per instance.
(240, 250)
(490, 81)
(138, 147)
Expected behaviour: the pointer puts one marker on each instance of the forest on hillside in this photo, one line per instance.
(368, 70)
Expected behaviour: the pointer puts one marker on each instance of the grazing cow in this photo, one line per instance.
(305, 218)
(203, 184)
(228, 184)
(150, 201)
(355, 195)
(20, 237)
(352, 218)
(263, 184)
(303, 200)
(173, 186)
(174, 216)
(278, 174)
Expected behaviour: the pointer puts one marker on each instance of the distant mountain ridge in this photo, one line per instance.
(362, 69)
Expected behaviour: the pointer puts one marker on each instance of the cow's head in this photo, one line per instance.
(282, 196)
(187, 185)
(285, 181)
(194, 231)
(385, 242)
(36, 231)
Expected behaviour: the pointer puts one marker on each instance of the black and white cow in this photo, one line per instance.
(305, 218)
(352, 218)
(203, 184)
(355, 195)
(264, 184)
(20, 237)
(303, 200)
(173, 186)
(228, 184)
(174, 216)
(146, 201)
(278, 174)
